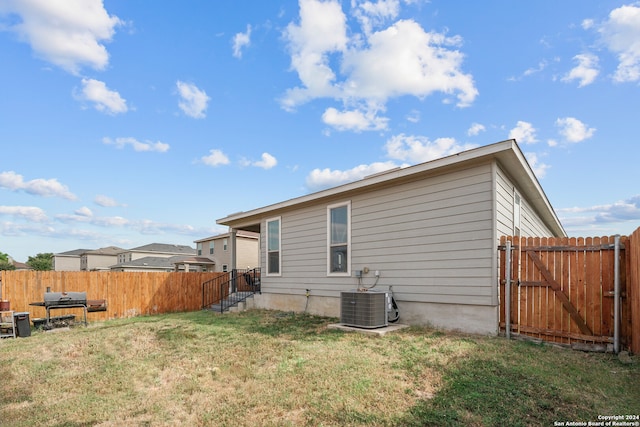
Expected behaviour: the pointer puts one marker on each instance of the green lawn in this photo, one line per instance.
(283, 369)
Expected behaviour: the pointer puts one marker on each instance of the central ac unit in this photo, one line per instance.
(363, 309)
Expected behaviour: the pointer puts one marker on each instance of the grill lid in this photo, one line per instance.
(65, 298)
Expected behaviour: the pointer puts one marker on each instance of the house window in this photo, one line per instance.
(224, 244)
(339, 238)
(225, 268)
(516, 213)
(273, 246)
(211, 244)
(199, 249)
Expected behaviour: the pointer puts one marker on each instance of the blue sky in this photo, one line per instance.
(124, 124)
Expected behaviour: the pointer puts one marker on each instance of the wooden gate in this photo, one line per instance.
(562, 290)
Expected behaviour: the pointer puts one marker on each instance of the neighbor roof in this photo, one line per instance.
(164, 262)
(506, 153)
(75, 252)
(109, 250)
(240, 233)
(164, 248)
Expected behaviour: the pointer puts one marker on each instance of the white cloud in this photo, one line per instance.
(104, 99)
(413, 116)
(523, 133)
(621, 34)
(193, 101)
(67, 33)
(215, 158)
(372, 66)
(373, 14)
(534, 70)
(354, 120)
(581, 218)
(29, 213)
(38, 187)
(405, 60)
(539, 168)
(475, 129)
(325, 178)
(573, 130)
(322, 31)
(585, 72)
(85, 216)
(106, 201)
(84, 211)
(418, 149)
(587, 24)
(241, 40)
(267, 162)
(160, 147)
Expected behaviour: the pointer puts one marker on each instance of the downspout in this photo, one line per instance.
(507, 290)
(616, 296)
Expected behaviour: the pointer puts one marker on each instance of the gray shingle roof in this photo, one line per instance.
(165, 248)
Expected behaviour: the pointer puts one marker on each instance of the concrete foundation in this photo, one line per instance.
(473, 319)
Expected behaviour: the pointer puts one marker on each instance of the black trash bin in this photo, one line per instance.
(23, 328)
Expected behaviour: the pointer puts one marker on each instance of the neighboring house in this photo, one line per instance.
(155, 257)
(219, 250)
(160, 250)
(99, 259)
(431, 231)
(68, 261)
(164, 264)
(21, 266)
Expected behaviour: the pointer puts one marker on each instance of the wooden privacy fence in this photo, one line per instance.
(562, 290)
(128, 294)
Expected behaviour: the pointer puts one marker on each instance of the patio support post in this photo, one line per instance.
(232, 248)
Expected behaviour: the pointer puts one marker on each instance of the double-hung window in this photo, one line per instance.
(274, 260)
(339, 238)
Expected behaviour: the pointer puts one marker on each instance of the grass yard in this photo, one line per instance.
(262, 368)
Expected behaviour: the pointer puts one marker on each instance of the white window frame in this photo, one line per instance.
(225, 244)
(266, 247)
(329, 208)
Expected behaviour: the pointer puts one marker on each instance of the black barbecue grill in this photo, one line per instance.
(59, 300)
(65, 299)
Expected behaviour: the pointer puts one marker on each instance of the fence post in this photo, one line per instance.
(507, 289)
(616, 295)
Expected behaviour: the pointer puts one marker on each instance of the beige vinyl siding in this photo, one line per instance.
(504, 205)
(431, 239)
(246, 252)
(530, 223)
